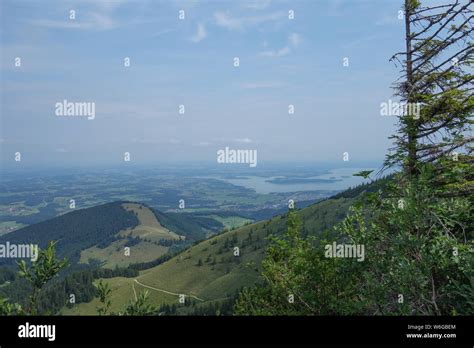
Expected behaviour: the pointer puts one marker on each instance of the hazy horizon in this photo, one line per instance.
(190, 62)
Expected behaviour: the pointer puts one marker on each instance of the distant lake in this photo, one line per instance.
(335, 179)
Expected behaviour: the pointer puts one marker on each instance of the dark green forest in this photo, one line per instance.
(76, 231)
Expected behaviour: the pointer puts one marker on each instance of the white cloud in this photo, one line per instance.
(97, 15)
(93, 21)
(200, 34)
(238, 23)
(162, 32)
(102, 21)
(279, 53)
(283, 51)
(293, 41)
(225, 21)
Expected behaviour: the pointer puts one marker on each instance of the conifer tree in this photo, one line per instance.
(436, 83)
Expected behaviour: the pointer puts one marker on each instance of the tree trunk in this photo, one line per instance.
(410, 166)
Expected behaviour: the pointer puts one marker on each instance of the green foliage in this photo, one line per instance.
(436, 76)
(135, 307)
(300, 280)
(7, 308)
(139, 307)
(103, 292)
(418, 261)
(419, 249)
(35, 276)
(365, 173)
(373, 186)
(40, 272)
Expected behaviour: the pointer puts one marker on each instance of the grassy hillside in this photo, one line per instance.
(209, 271)
(98, 235)
(194, 227)
(76, 231)
(145, 238)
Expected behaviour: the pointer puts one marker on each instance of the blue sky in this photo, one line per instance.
(190, 62)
